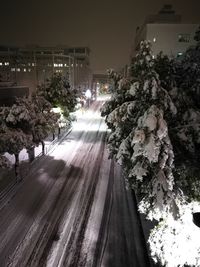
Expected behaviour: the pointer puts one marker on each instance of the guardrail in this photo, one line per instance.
(58, 139)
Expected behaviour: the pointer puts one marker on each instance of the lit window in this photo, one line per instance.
(76, 65)
(18, 69)
(58, 71)
(154, 39)
(72, 65)
(33, 64)
(29, 64)
(12, 69)
(184, 38)
(6, 63)
(1, 64)
(24, 70)
(29, 70)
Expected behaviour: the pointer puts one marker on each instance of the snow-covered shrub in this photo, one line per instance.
(175, 243)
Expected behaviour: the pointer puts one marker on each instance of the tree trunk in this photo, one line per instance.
(53, 136)
(43, 147)
(31, 153)
(58, 131)
(17, 176)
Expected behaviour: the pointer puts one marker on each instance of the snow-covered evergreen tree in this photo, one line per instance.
(181, 77)
(12, 139)
(139, 137)
(4, 162)
(179, 245)
(188, 72)
(41, 120)
(151, 129)
(59, 93)
(165, 68)
(26, 124)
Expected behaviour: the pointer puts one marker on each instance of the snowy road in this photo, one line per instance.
(72, 209)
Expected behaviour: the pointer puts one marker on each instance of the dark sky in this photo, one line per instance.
(106, 26)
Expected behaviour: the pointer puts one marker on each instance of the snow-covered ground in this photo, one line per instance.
(73, 209)
(23, 155)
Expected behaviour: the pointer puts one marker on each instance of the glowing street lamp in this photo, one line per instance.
(57, 110)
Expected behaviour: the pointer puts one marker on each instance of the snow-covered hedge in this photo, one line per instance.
(175, 242)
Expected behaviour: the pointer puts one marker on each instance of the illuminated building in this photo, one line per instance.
(33, 65)
(166, 32)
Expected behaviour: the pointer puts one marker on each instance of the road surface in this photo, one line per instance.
(72, 209)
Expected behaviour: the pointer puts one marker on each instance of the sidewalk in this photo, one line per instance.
(7, 176)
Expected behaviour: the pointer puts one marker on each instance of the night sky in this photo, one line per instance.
(107, 27)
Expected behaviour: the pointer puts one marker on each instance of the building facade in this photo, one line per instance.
(166, 32)
(9, 93)
(82, 71)
(33, 65)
